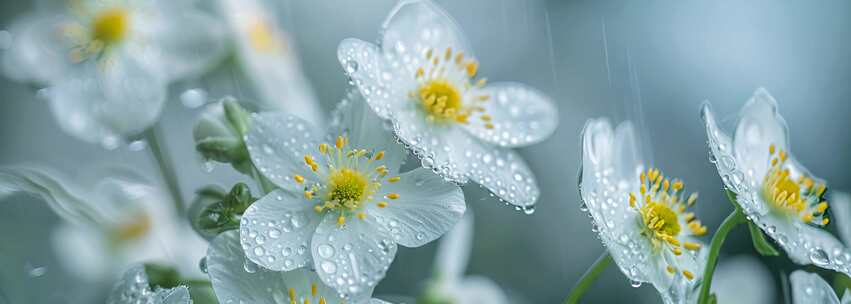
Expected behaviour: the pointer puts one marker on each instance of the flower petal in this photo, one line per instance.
(743, 279)
(277, 144)
(453, 251)
(365, 130)
(236, 279)
(187, 41)
(415, 26)
(759, 127)
(276, 231)
(108, 101)
(721, 149)
(354, 257)
(270, 61)
(36, 52)
(504, 173)
(133, 287)
(520, 115)
(840, 206)
(90, 251)
(56, 191)
(378, 79)
(427, 207)
(811, 288)
(805, 244)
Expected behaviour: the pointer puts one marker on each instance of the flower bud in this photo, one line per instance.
(215, 211)
(219, 131)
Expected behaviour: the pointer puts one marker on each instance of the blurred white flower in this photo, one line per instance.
(640, 215)
(107, 63)
(341, 207)
(811, 288)
(237, 280)
(422, 77)
(448, 284)
(776, 192)
(269, 60)
(118, 221)
(743, 279)
(134, 287)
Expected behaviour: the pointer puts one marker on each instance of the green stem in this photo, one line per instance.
(732, 220)
(158, 150)
(588, 278)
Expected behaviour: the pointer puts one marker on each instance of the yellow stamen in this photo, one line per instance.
(341, 141)
(379, 155)
(298, 178)
(382, 204)
(392, 196)
(688, 274)
(692, 246)
(394, 179)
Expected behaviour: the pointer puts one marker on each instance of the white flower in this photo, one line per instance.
(269, 59)
(342, 207)
(133, 287)
(641, 216)
(237, 280)
(118, 221)
(448, 285)
(811, 288)
(422, 78)
(107, 63)
(841, 210)
(776, 192)
(743, 279)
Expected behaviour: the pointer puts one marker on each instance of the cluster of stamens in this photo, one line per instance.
(108, 28)
(441, 96)
(314, 295)
(132, 230)
(663, 208)
(802, 197)
(348, 180)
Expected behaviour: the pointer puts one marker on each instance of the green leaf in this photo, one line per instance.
(760, 243)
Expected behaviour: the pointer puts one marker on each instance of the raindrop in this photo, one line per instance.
(328, 266)
(274, 233)
(351, 66)
(202, 264)
(249, 266)
(259, 251)
(137, 145)
(635, 284)
(36, 271)
(819, 257)
(325, 251)
(193, 98)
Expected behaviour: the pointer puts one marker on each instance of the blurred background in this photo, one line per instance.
(653, 62)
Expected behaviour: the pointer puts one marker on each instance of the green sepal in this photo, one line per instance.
(162, 276)
(760, 243)
(215, 211)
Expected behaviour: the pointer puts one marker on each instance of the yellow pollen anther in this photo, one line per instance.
(459, 58)
(323, 148)
(322, 300)
(691, 246)
(299, 179)
(472, 67)
(486, 117)
(292, 293)
(489, 126)
(677, 251)
(670, 269)
(688, 275)
(110, 26)
(448, 54)
(420, 72)
(692, 198)
(382, 204)
(394, 179)
(825, 221)
(313, 288)
(317, 208)
(428, 53)
(308, 195)
(341, 141)
(361, 215)
(341, 220)
(771, 149)
(392, 196)
(379, 155)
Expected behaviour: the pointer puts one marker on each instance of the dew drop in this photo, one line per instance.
(193, 98)
(325, 251)
(819, 257)
(328, 266)
(351, 66)
(249, 266)
(202, 264)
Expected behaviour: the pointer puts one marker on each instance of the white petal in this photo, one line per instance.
(504, 173)
(365, 130)
(277, 229)
(270, 60)
(604, 193)
(743, 279)
(108, 101)
(759, 127)
(453, 252)
(354, 257)
(186, 41)
(445, 149)
(133, 288)
(846, 297)
(840, 205)
(236, 279)
(427, 207)
(277, 143)
(805, 244)
(721, 148)
(811, 288)
(36, 52)
(414, 26)
(521, 115)
(377, 77)
(83, 251)
(476, 289)
(56, 191)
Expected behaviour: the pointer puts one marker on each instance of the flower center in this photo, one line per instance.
(133, 230)
(110, 26)
(662, 208)
(347, 186)
(445, 92)
(306, 299)
(345, 180)
(802, 197)
(440, 99)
